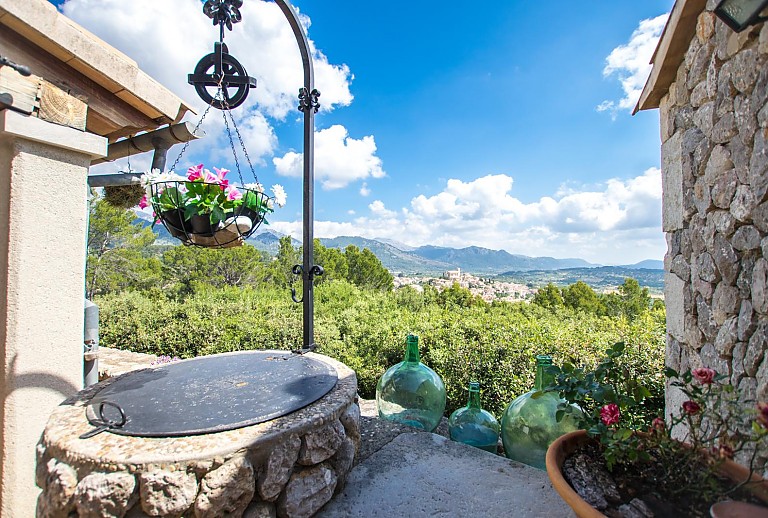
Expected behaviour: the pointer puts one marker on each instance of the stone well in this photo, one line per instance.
(288, 467)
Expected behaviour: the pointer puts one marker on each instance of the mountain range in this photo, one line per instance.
(434, 260)
(430, 259)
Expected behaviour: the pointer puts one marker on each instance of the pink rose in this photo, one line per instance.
(658, 424)
(762, 414)
(691, 407)
(609, 414)
(704, 376)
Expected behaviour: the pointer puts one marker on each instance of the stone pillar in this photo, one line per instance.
(43, 223)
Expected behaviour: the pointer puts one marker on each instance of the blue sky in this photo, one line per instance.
(507, 127)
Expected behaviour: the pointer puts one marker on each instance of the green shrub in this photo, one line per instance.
(365, 329)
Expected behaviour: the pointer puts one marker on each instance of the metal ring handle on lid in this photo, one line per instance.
(110, 422)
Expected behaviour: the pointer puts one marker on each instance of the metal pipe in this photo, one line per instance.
(169, 136)
(91, 344)
(308, 106)
(113, 179)
(160, 140)
(161, 152)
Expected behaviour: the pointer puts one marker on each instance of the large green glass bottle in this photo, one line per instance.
(528, 425)
(474, 426)
(410, 392)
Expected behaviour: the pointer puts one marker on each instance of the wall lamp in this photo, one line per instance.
(740, 14)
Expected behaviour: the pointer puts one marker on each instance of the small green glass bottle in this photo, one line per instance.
(529, 426)
(474, 426)
(410, 392)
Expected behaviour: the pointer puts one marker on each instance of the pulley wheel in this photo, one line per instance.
(235, 94)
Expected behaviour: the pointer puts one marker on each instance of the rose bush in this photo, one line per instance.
(713, 422)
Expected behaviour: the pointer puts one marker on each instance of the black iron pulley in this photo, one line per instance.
(220, 70)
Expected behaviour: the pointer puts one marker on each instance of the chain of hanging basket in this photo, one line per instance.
(205, 210)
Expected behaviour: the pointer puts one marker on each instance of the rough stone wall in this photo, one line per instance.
(714, 132)
(295, 478)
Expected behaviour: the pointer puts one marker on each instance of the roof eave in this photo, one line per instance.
(41, 23)
(670, 52)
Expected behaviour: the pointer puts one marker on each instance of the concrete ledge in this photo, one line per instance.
(424, 474)
(37, 130)
(114, 362)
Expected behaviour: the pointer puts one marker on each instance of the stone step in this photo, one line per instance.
(407, 473)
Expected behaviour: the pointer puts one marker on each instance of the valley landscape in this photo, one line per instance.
(498, 265)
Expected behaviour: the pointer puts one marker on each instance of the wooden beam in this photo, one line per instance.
(35, 96)
(23, 90)
(59, 107)
(107, 114)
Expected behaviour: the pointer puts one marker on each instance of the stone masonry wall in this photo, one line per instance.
(714, 132)
(288, 467)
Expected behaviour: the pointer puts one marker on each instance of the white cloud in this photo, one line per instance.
(259, 139)
(618, 222)
(339, 159)
(364, 190)
(631, 63)
(378, 209)
(167, 38)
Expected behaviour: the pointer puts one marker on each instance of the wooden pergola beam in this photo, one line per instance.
(107, 114)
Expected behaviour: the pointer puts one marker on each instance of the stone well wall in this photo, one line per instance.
(714, 131)
(288, 467)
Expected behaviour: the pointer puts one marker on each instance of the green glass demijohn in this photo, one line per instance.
(410, 392)
(474, 426)
(529, 426)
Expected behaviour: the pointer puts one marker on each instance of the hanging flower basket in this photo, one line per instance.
(205, 209)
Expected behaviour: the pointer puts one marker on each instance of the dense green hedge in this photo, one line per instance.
(493, 344)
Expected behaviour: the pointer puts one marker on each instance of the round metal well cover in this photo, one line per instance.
(214, 393)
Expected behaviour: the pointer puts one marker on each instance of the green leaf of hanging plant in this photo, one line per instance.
(217, 215)
(189, 211)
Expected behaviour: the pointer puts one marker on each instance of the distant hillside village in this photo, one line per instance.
(492, 289)
(488, 289)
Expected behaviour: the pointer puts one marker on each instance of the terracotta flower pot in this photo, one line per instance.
(564, 446)
(557, 452)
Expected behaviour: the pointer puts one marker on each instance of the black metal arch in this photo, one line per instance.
(309, 105)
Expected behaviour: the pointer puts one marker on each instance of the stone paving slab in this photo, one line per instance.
(423, 474)
(113, 362)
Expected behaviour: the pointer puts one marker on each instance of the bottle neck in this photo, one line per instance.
(542, 377)
(474, 395)
(412, 350)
